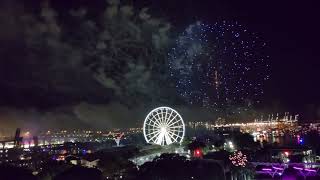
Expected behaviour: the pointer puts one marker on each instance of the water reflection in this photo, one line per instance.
(283, 140)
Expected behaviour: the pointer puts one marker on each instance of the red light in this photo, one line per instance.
(197, 153)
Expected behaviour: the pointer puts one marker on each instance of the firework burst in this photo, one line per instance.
(219, 65)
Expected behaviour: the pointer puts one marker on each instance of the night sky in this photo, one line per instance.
(290, 28)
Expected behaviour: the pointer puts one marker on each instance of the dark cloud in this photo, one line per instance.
(34, 120)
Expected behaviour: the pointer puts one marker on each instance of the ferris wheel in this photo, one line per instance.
(163, 126)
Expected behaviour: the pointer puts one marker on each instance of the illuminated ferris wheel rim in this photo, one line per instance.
(165, 125)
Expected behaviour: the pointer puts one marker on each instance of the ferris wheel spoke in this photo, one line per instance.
(154, 117)
(173, 127)
(168, 119)
(155, 136)
(173, 134)
(156, 131)
(157, 127)
(162, 119)
(167, 138)
(158, 114)
(155, 122)
(175, 130)
(172, 119)
(159, 139)
(174, 122)
(176, 139)
(159, 118)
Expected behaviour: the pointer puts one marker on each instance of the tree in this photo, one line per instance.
(81, 173)
(51, 169)
(18, 173)
(165, 168)
(116, 163)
